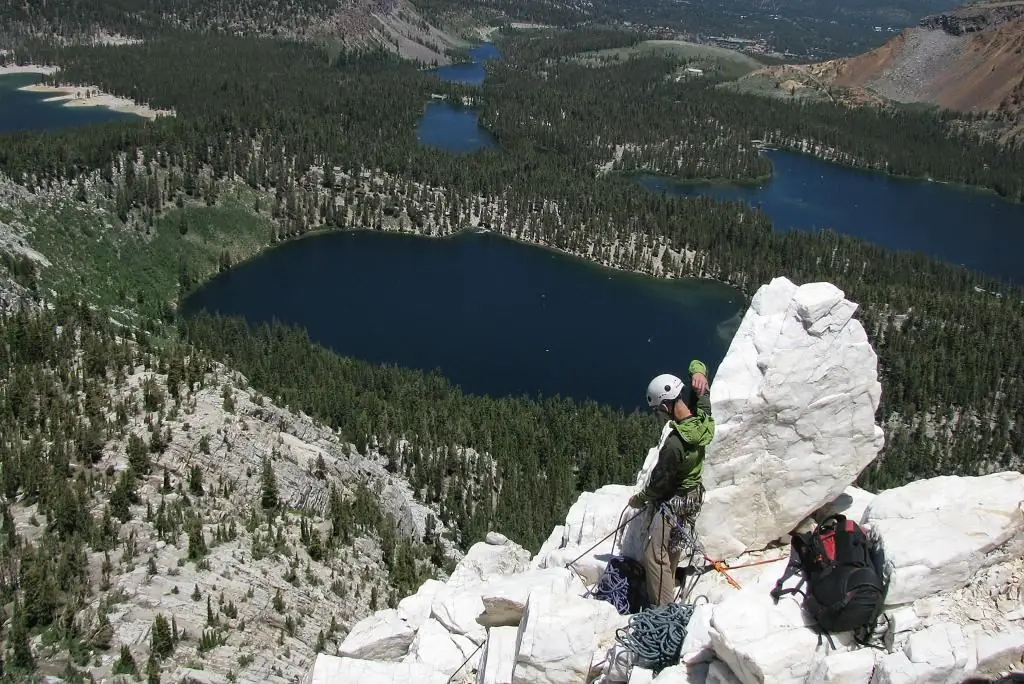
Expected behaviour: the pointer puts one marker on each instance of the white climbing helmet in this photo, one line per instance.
(662, 388)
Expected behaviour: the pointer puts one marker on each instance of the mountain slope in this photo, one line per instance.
(970, 60)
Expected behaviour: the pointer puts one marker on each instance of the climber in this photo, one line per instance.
(674, 492)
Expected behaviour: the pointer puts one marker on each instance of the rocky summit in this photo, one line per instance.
(795, 401)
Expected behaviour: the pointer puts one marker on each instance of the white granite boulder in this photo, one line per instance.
(592, 521)
(794, 401)
(416, 607)
(939, 533)
(504, 598)
(763, 642)
(559, 635)
(445, 652)
(385, 635)
(484, 560)
(498, 659)
(335, 670)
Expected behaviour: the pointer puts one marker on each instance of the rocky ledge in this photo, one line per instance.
(974, 18)
(794, 399)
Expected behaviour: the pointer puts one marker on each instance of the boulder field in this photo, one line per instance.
(795, 401)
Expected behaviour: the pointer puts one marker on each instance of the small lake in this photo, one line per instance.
(495, 316)
(966, 227)
(454, 128)
(471, 73)
(24, 111)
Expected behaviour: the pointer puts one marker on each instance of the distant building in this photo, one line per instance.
(694, 70)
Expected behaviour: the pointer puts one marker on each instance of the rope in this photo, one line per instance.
(613, 587)
(452, 678)
(655, 636)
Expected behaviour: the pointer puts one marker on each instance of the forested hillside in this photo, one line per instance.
(276, 138)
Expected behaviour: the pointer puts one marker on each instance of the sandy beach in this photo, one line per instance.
(82, 96)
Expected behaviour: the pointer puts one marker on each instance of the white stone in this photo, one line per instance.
(552, 543)
(719, 673)
(504, 598)
(903, 619)
(457, 608)
(682, 674)
(483, 560)
(640, 675)
(896, 668)
(940, 653)
(443, 651)
(764, 642)
(335, 670)
(498, 659)
(384, 635)
(416, 607)
(496, 538)
(592, 522)
(850, 667)
(794, 402)
(998, 652)
(559, 635)
(852, 503)
(934, 546)
(697, 646)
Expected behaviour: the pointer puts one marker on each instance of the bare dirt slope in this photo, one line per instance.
(970, 59)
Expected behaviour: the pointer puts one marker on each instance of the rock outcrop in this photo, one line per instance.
(794, 401)
(797, 393)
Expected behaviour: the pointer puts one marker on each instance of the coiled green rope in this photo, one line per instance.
(655, 636)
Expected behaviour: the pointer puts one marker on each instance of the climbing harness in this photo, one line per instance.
(655, 636)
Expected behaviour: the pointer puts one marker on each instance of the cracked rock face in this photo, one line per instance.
(794, 401)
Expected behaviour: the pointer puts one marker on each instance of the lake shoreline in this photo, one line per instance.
(81, 95)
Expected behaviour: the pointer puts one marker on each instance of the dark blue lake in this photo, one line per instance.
(23, 111)
(495, 316)
(967, 227)
(471, 73)
(452, 128)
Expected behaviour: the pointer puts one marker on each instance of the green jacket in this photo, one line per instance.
(680, 464)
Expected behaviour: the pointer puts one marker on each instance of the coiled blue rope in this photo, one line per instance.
(613, 587)
(656, 636)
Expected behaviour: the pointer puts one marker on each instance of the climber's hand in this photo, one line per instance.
(634, 501)
(700, 383)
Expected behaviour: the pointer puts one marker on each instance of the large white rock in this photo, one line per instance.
(763, 642)
(445, 652)
(559, 636)
(384, 635)
(999, 652)
(484, 560)
(504, 598)
(498, 659)
(334, 670)
(697, 647)
(939, 653)
(416, 608)
(592, 522)
(794, 401)
(850, 667)
(457, 608)
(939, 533)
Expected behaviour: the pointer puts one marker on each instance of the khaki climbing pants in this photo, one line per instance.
(667, 538)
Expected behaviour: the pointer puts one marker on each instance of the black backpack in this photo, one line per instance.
(623, 584)
(845, 578)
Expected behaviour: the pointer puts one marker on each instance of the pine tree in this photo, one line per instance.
(268, 486)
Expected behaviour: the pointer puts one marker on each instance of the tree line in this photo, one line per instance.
(289, 117)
